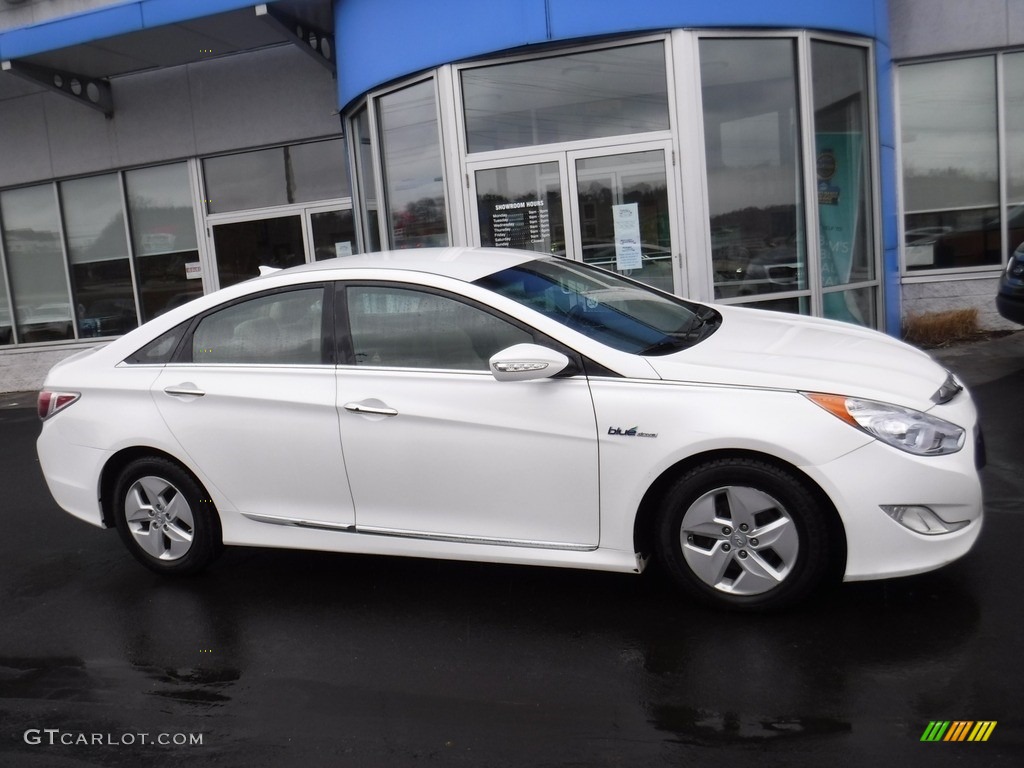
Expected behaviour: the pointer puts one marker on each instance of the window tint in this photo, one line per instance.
(404, 328)
(274, 329)
(617, 312)
(160, 350)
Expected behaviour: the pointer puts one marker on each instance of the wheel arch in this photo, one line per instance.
(645, 523)
(116, 464)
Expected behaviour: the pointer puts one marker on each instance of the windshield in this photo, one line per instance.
(618, 312)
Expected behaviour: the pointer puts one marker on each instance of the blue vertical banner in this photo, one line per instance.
(839, 174)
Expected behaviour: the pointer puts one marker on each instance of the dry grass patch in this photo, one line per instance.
(936, 329)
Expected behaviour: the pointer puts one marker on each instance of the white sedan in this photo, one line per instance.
(497, 406)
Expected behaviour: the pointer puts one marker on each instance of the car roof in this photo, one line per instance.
(460, 263)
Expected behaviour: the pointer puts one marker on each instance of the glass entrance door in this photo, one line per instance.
(521, 206)
(242, 247)
(613, 210)
(623, 215)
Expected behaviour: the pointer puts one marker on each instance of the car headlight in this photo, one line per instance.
(904, 428)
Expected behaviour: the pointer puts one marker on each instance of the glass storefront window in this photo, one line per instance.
(6, 325)
(35, 263)
(365, 179)
(163, 236)
(319, 171)
(950, 161)
(413, 176)
(755, 177)
(279, 176)
(97, 238)
(521, 207)
(334, 234)
(858, 305)
(586, 95)
(1013, 70)
(842, 149)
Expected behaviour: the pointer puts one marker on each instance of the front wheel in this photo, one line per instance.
(165, 518)
(744, 534)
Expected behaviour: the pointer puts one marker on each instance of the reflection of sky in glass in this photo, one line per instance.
(412, 164)
(30, 209)
(412, 155)
(320, 170)
(566, 98)
(748, 90)
(246, 180)
(160, 207)
(948, 133)
(34, 253)
(5, 311)
(94, 219)
(1013, 69)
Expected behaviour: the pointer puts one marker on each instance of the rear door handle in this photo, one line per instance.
(374, 410)
(187, 388)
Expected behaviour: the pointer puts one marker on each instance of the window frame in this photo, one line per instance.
(1003, 203)
(182, 355)
(346, 352)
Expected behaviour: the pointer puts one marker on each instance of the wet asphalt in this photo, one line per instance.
(276, 658)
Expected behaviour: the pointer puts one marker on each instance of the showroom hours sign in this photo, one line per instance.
(521, 224)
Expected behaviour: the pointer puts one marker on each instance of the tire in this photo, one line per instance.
(165, 518)
(744, 534)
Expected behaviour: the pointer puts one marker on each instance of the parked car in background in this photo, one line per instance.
(1010, 296)
(501, 406)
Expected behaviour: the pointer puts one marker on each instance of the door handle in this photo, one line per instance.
(187, 388)
(370, 409)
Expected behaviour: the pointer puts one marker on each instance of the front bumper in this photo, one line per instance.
(863, 481)
(1011, 306)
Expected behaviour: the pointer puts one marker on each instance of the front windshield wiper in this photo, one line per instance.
(704, 322)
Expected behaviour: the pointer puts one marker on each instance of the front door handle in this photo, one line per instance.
(373, 410)
(187, 388)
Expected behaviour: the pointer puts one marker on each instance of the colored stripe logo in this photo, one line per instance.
(959, 730)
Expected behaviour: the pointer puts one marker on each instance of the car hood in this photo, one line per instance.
(780, 351)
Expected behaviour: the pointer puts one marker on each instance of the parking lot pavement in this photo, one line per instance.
(276, 658)
(983, 361)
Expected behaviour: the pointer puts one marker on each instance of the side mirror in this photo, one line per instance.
(527, 362)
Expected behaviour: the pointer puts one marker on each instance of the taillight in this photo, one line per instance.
(50, 403)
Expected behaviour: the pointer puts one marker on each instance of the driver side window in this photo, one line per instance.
(405, 328)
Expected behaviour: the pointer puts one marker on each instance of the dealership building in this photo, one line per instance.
(861, 160)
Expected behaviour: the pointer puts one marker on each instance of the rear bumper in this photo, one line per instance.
(71, 473)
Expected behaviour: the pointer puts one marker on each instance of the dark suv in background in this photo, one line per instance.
(1010, 298)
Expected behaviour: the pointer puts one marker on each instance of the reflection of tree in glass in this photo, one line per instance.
(421, 223)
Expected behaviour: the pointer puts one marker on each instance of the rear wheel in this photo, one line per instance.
(165, 518)
(744, 534)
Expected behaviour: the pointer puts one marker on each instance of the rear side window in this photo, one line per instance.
(274, 329)
(161, 349)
